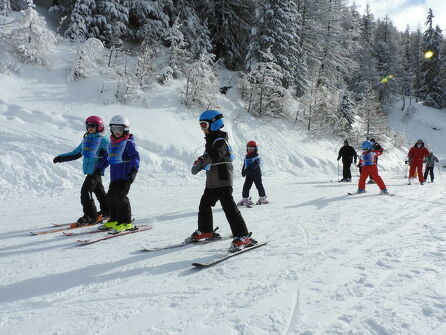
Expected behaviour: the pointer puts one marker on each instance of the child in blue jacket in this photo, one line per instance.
(91, 149)
(123, 158)
(251, 169)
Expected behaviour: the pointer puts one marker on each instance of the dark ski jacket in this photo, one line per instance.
(347, 152)
(218, 155)
(251, 165)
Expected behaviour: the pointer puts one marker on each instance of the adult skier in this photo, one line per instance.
(430, 163)
(123, 158)
(416, 156)
(347, 153)
(217, 161)
(251, 170)
(368, 161)
(92, 147)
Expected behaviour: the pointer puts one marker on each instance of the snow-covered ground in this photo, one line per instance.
(335, 264)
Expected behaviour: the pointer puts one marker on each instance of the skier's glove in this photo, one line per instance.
(57, 159)
(243, 173)
(97, 172)
(198, 165)
(132, 175)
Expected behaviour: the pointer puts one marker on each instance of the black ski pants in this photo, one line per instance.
(346, 170)
(93, 184)
(257, 180)
(120, 209)
(429, 170)
(233, 215)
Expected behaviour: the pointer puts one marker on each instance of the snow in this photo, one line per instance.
(334, 264)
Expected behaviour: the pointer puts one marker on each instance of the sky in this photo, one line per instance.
(406, 12)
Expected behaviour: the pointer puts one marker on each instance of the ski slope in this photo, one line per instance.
(334, 264)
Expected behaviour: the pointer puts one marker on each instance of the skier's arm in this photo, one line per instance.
(133, 155)
(69, 156)
(436, 159)
(218, 153)
(102, 163)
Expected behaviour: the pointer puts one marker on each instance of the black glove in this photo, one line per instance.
(243, 173)
(405, 162)
(132, 175)
(57, 159)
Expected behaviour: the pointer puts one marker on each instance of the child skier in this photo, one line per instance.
(91, 148)
(368, 162)
(430, 163)
(416, 157)
(217, 161)
(251, 169)
(123, 158)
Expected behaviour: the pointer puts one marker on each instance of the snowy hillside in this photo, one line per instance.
(334, 264)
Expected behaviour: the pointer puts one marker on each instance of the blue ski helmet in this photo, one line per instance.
(366, 145)
(214, 117)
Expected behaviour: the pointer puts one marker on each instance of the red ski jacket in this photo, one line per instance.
(417, 155)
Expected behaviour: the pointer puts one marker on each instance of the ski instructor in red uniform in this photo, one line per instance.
(416, 156)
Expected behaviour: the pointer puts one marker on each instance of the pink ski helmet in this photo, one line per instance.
(95, 120)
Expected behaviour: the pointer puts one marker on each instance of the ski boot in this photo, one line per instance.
(342, 180)
(348, 180)
(84, 220)
(262, 201)
(120, 227)
(384, 191)
(198, 235)
(360, 191)
(245, 202)
(108, 225)
(241, 242)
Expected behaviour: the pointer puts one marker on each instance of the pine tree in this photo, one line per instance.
(432, 90)
(32, 40)
(18, 5)
(416, 59)
(262, 89)
(407, 75)
(179, 56)
(110, 21)
(278, 30)
(79, 26)
(347, 111)
(5, 7)
(201, 82)
(373, 120)
(145, 68)
(148, 21)
(85, 59)
(229, 23)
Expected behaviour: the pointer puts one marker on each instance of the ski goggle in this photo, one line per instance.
(92, 125)
(204, 125)
(117, 128)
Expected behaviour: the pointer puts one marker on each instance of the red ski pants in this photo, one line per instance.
(419, 167)
(370, 170)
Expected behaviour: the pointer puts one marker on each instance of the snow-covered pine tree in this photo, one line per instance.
(230, 24)
(62, 9)
(195, 31)
(18, 5)
(416, 59)
(178, 53)
(32, 40)
(432, 91)
(80, 22)
(347, 111)
(407, 75)
(148, 21)
(5, 7)
(85, 59)
(388, 62)
(201, 82)
(366, 73)
(145, 69)
(262, 89)
(277, 28)
(110, 21)
(373, 119)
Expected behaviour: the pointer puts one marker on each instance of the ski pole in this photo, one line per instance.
(439, 173)
(338, 170)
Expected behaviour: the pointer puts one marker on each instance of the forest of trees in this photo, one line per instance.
(334, 62)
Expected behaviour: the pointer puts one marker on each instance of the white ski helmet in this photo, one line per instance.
(120, 120)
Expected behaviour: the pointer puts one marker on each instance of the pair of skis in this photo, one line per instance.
(211, 263)
(356, 193)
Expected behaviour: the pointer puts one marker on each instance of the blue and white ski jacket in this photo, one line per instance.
(92, 147)
(122, 156)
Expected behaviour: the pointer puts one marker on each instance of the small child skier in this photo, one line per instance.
(92, 147)
(368, 162)
(251, 169)
(123, 158)
(217, 161)
(430, 163)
